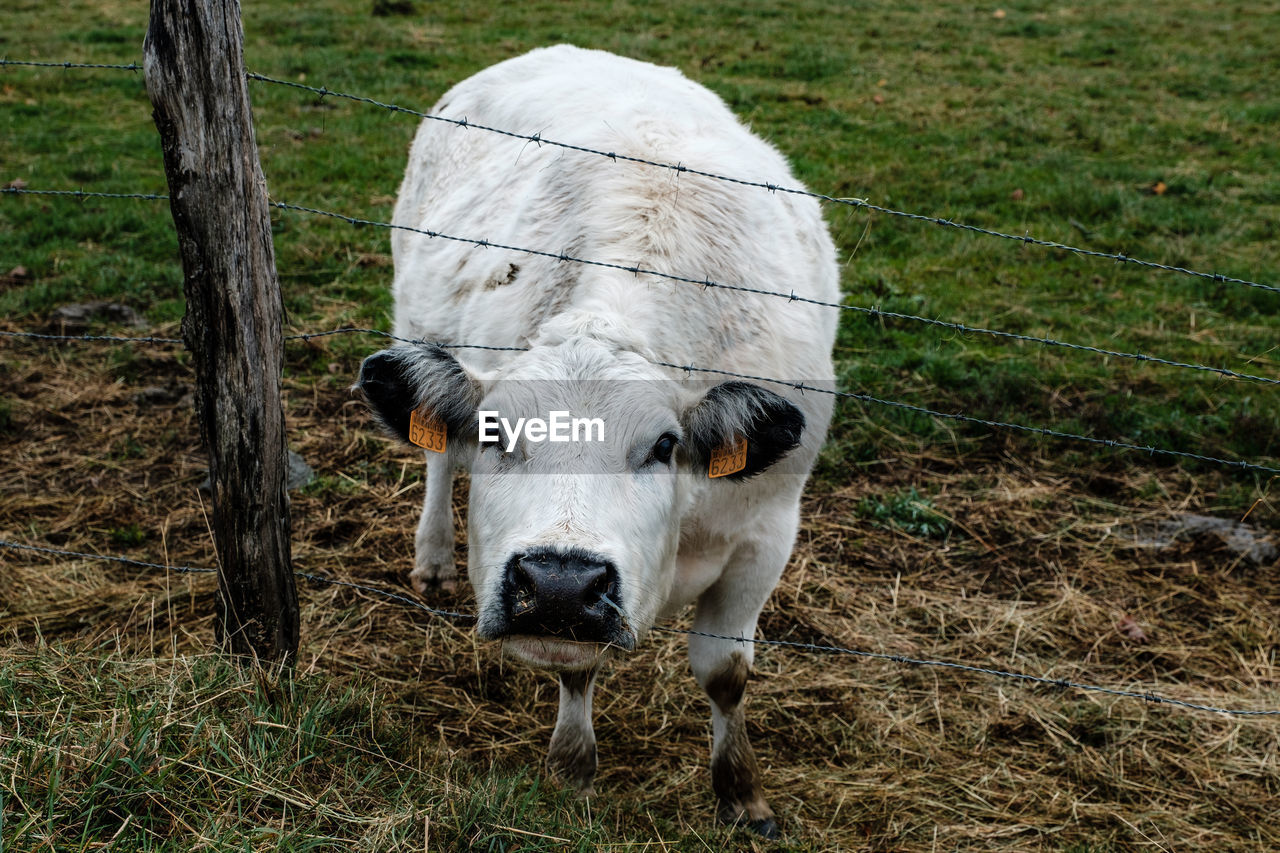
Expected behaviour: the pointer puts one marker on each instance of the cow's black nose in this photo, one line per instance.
(569, 593)
(548, 580)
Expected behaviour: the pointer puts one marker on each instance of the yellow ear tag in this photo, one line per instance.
(427, 430)
(728, 458)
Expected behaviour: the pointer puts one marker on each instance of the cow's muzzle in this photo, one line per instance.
(562, 593)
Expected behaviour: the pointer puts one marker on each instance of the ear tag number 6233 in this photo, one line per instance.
(728, 458)
(427, 430)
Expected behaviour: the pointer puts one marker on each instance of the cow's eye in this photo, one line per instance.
(663, 448)
(498, 449)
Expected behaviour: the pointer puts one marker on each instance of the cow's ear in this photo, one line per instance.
(424, 377)
(731, 412)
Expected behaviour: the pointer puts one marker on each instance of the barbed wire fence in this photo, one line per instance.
(705, 283)
(691, 368)
(802, 387)
(859, 203)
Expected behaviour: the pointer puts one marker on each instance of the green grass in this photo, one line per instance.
(908, 511)
(153, 754)
(1057, 122)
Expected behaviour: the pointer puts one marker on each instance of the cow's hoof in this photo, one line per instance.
(765, 827)
(572, 762)
(428, 577)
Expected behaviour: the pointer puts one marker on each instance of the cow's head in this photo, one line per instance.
(572, 543)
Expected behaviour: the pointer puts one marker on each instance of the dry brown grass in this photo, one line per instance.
(1036, 575)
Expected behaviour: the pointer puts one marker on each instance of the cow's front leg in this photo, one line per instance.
(730, 608)
(572, 756)
(433, 544)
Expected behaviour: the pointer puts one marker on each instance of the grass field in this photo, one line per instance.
(1137, 128)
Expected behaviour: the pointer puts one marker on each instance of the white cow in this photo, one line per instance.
(576, 548)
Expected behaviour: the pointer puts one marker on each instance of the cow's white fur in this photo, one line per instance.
(682, 538)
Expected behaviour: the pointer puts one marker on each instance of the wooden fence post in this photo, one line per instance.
(195, 75)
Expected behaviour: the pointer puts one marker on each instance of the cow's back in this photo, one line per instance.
(475, 184)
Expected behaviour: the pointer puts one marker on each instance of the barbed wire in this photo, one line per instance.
(874, 313)
(390, 596)
(116, 339)
(84, 194)
(802, 387)
(680, 168)
(314, 578)
(707, 283)
(1036, 339)
(133, 66)
(300, 336)
(859, 203)
(59, 552)
(953, 416)
(1060, 683)
(307, 336)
